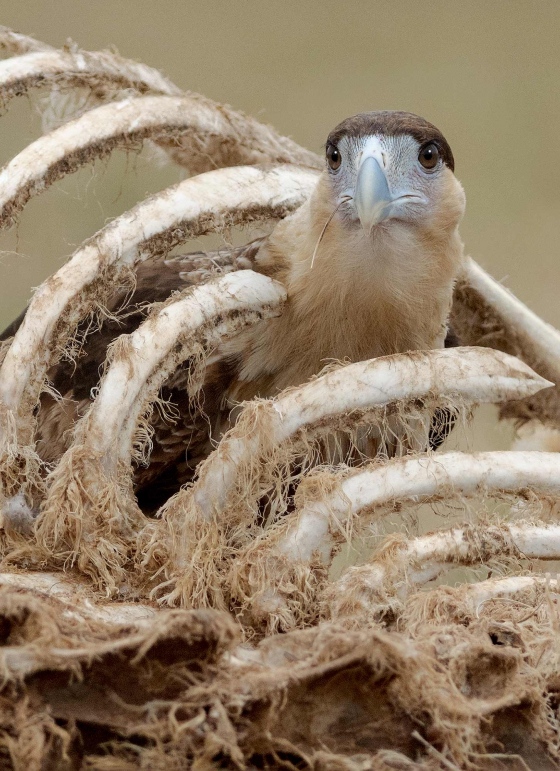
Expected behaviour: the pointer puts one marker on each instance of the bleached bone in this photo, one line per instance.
(15, 43)
(485, 313)
(48, 68)
(214, 137)
(474, 375)
(309, 540)
(90, 514)
(106, 74)
(229, 480)
(426, 478)
(143, 360)
(530, 328)
(400, 566)
(75, 599)
(532, 596)
(190, 209)
(478, 594)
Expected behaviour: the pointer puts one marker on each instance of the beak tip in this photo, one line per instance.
(372, 194)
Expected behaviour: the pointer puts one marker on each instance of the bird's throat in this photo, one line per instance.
(363, 297)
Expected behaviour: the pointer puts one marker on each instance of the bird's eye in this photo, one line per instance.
(429, 156)
(334, 158)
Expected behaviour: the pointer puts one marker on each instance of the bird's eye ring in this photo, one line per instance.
(429, 156)
(334, 157)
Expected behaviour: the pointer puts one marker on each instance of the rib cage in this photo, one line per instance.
(209, 548)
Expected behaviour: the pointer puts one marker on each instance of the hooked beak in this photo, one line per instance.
(372, 197)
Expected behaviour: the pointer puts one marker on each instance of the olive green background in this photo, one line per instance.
(486, 73)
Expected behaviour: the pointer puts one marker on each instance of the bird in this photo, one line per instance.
(369, 263)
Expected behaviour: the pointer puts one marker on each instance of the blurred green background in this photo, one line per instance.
(486, 73)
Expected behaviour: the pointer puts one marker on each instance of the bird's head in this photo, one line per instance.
(391, 167)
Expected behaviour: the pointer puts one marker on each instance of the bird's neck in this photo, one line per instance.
(360, 296)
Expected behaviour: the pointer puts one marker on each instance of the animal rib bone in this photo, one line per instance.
(400, 566)
(486, 313)
(229, 486)
(107, 73)
(426, 477)
(90, 513)
(140, 362)
(75, 599)
(78, 68)
(289, 554)
(476, 375)
(188, 210)
(212, 137)
(542, 337)
(494, 588)
(496, 602)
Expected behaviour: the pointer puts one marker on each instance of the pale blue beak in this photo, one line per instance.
(372, 197)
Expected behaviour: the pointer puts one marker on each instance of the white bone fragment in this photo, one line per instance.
(214, 138)
(403, 565)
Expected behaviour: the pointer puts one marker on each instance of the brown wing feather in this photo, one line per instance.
(180, 444)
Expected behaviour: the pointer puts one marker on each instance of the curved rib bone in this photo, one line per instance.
(287, 555)
(429, 477)
(90, 513)
(370, 589)
(188, 210)
(76, 600)
(230, 480)
(480, 593)
(217, 310)
(78, 68)
(476, 375)
(212, 137)
(523, 595)
(486, 313)
(542, 337)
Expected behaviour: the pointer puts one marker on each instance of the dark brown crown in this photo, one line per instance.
(393, 123)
